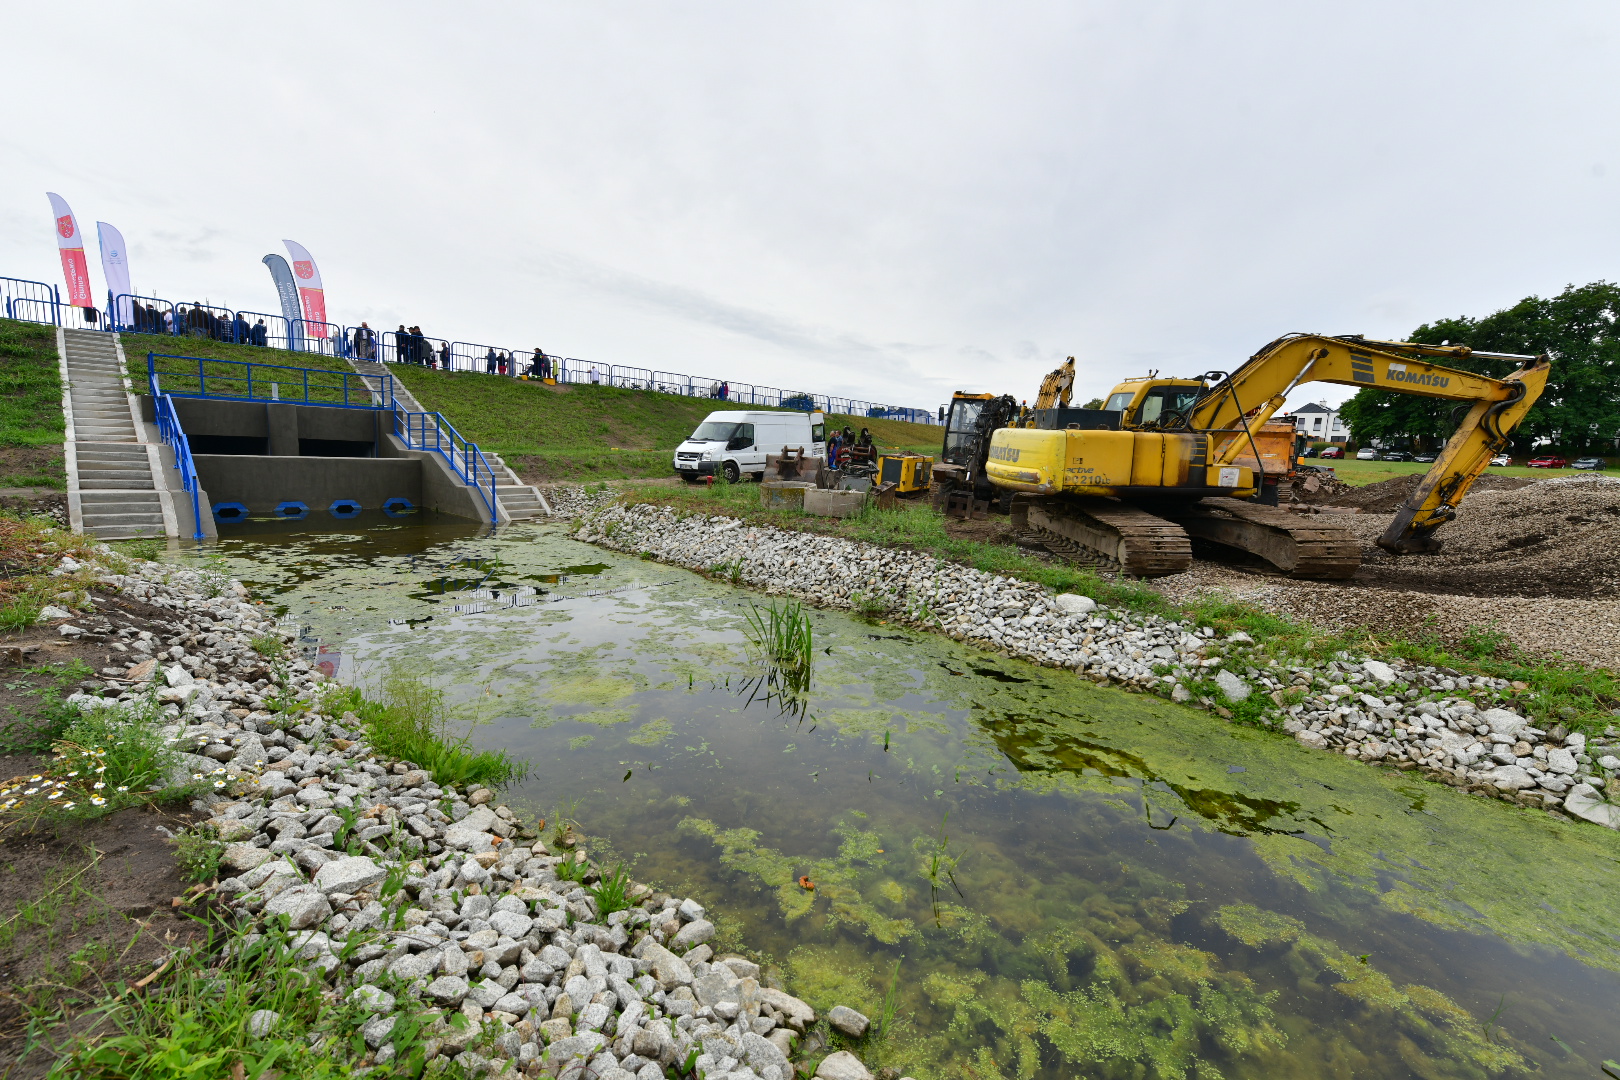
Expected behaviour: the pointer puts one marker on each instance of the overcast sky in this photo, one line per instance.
(890, 201)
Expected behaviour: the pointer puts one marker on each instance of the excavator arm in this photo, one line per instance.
(1056, 387)
(1237, 405)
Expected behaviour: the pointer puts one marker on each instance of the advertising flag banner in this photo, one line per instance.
(287, 290)
(70, 245)
(309, 287)
(115, 268)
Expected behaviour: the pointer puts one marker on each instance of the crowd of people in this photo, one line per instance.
(410, 346)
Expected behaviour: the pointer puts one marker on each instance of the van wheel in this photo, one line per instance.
(733, 474)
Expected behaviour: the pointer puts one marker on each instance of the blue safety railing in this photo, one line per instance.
(196, 377)
(431, 431)
(34, 301)
(168, 425)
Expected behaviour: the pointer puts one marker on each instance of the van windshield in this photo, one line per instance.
(714, 431)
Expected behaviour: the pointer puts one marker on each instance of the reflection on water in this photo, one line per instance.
(1047, 879)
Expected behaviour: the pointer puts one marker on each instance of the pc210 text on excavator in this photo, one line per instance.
(1168, 459)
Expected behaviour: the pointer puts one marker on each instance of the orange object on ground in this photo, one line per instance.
(805, 883)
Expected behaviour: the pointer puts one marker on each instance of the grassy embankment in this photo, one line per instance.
(31, 423)
(274, 366)
(579, 432)
(1581, 697)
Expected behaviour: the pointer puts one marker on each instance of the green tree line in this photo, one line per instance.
(1580, 410)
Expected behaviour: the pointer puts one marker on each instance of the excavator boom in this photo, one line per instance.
(1237, 405)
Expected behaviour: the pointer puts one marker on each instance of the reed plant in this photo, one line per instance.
(784, 638)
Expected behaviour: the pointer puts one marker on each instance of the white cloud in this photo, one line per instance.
(887, 201)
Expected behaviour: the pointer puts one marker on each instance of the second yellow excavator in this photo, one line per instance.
(1170, 459)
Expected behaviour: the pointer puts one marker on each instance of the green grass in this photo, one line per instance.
(578, 432)
(409, 722)
(193, 1022)
(30, 405)
(30, 385)
(272, 366)
(1361, 473)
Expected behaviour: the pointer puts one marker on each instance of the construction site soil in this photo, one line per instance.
(1537, 561)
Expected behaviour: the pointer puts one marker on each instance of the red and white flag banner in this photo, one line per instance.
(70, 245)
(310, 293)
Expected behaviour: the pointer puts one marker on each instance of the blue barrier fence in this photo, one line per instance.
(235, 380)
(192, 376)
(168, 425)
(34, 301)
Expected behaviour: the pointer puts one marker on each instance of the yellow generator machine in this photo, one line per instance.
(1170, 459)
(910, 473)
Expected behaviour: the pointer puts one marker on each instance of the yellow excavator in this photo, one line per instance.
(1169, 459)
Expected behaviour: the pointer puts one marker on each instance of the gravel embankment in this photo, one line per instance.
(1535, 561)
(1450, 727)
(477, 921)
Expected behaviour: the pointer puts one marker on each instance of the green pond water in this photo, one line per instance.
(1044, 878)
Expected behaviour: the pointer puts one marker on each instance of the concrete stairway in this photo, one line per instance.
(110, 478)
(518, 501)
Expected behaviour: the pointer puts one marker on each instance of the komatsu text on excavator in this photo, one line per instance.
(1169, 459)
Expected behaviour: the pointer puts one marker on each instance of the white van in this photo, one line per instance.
(734, 444)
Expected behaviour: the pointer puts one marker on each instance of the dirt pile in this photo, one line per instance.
(1552, 538)
(1386, 496)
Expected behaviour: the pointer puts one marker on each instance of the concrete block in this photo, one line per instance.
(834, 503)
(789, 494)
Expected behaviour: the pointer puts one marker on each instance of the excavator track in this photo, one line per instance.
(1300, 548)
(1122, 536)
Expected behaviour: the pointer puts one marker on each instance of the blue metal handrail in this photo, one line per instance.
(431, 431)
(351, 389)
(168, 424)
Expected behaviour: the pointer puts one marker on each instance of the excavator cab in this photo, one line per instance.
(961, 428)
(1152, 403)
(960, 486)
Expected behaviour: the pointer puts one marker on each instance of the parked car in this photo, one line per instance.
(1366, 453)
(1425, 459)
(1395, 455)
(1588, 463)
(734, 444)
(1501, 459)
(1332, 452)
(1547, 462)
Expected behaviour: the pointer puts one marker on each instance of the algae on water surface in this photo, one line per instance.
(1073, 880)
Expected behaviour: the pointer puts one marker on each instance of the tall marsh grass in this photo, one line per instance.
(410, 721)
(784, 638)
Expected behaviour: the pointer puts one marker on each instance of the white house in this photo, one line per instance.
(1319, 422)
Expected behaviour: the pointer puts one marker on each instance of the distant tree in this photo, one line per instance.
(1094, 403)
(1580, 409)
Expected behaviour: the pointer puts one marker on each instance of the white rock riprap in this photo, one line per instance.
(1445, 724)
(400, 890)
